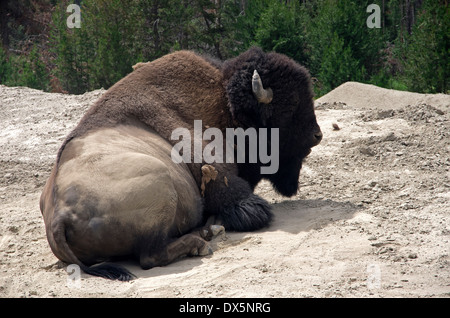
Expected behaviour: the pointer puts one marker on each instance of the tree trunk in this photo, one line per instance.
(4, 32)
(155, 18)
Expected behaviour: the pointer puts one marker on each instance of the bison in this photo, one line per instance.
(114, 190)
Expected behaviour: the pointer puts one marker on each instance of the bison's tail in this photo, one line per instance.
(105, 270)
(108, 270)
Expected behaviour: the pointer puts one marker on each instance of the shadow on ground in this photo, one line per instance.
(292, 216)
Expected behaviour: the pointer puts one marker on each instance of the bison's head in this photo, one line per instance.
(272, 91)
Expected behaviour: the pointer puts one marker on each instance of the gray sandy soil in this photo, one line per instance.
(371, 219)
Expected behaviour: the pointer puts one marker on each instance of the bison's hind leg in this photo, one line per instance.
(187, 245)
(192, 244)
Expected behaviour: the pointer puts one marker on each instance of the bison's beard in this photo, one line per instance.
(285, 181)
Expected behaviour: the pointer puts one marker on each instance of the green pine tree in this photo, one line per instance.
(426, 51)
(280, 29)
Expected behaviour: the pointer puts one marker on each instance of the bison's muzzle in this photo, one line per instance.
(317, 138)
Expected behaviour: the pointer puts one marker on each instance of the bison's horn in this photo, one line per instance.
(262, 95)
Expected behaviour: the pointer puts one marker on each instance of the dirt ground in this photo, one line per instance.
(371, 219)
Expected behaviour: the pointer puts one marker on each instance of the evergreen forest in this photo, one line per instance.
(398, 44)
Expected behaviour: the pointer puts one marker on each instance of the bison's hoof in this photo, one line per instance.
(217, 229)
(212, 231)
(205, 250)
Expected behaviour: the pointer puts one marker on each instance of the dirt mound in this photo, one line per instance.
(371, 219)
(366, 96)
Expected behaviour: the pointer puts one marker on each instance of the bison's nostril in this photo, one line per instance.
(318, 136)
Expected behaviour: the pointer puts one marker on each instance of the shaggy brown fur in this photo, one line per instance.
(168, 93)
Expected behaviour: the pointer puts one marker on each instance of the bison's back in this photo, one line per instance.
(164, 94)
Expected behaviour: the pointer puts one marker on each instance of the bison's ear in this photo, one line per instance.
(262, 95)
